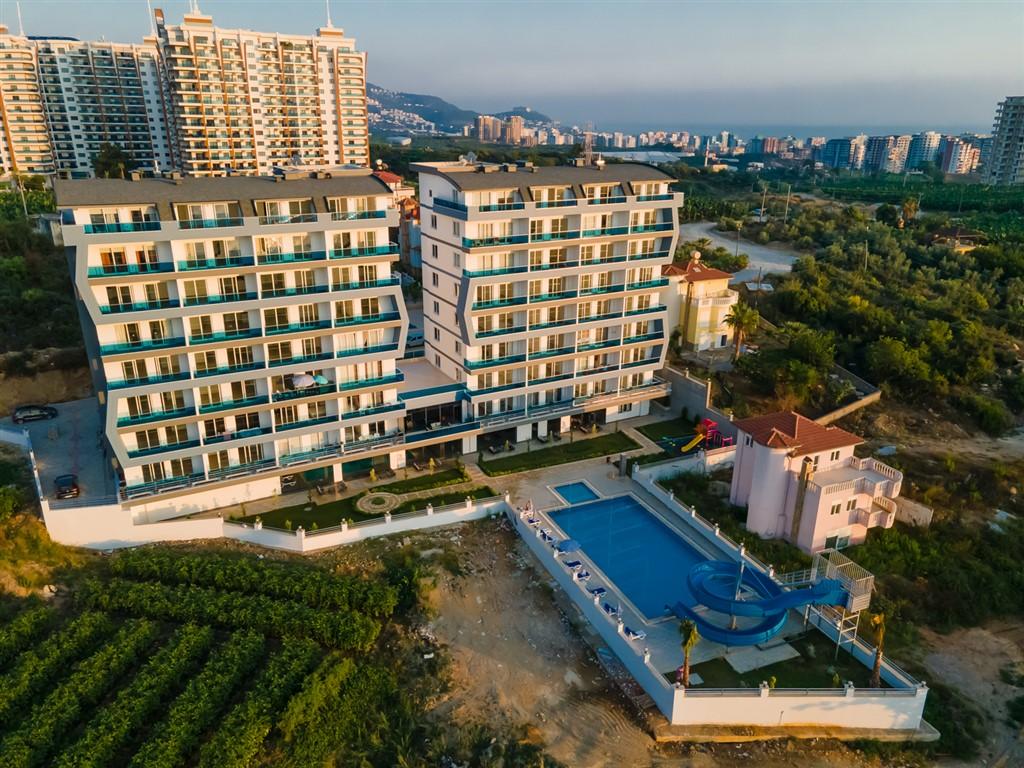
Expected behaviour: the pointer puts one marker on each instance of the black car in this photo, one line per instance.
(66, 487)
(25, 413)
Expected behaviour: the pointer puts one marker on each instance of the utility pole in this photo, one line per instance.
(865, 255)
(764, 198)
(785, 216)
(739, 224)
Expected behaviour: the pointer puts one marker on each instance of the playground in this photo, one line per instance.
(680, 437)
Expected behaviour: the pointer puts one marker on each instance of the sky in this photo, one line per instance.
(750, 66)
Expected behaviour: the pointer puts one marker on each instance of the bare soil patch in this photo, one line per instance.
(46, 387)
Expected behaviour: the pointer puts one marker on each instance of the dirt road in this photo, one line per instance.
(769, 259)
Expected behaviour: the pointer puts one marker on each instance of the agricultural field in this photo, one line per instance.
(167, 658)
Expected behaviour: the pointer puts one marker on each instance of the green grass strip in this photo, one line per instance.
(563, 453)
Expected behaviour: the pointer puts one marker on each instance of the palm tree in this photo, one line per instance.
(688, 638)
(743, 319)
(878, 623)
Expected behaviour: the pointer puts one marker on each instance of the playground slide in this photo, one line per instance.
(713, 584)
(692, 444)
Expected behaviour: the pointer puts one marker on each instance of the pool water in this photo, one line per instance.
(576, 493)
(645, 559)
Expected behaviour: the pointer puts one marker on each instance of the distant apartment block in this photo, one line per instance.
(801, 481)
(846, 153)
(543, 289)
(1006, 162)
(924, 148)
(239, 329)
(192, 97)
(699, 299)
(959, 157)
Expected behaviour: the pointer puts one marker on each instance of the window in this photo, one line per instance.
(433, 279)
(748, 440)
(458, 348)
(836, 509)
(433, 225)
(437, 308)
(816, 462)
(433, 250)
(456, 258)
(437, 334)
(834, 456)
(851, 504)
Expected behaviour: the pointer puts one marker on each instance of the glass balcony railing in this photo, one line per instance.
(367, 350)
(373, 410)
(565, 202)
(553, 265)
(646, 310)
(138, 306)
(496, 389)
(659, 282)
(224, 221)
(164, 484)
(551, 379)
(494, 362)
(208, 338)
(596, 318)
(487, 242)
(305, 290)
(643, 361)
(296, 359)
(166, 448)
(597, 369)
(605, 231)
(451, 205)
(543, 237)
(146, 380)
(224, 298)
(357, 215)
(306, 423)
(655, 336)
(227, 405)
(615, 199)
(122, 226)
(295, 394)
(290, 258)
(596, 290)
(509, 301)
(648, 255)
(146, 268)
(380, 317)
(601, 261)
(653, 198)
(513, 270)
(450, 429)
(553, 324)
(391, 249)
(380, 381)
(192, 265)
(557, 296)
(314, 325)
(222, 369)
(604, 344)
(241, 434)
(136, 346)
(511, 205)
(356, 285)
(542, 353)
(501, 331)
(658, 226)
(147, 418)
(288, 218)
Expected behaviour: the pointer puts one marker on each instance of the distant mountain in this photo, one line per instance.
(397, 111)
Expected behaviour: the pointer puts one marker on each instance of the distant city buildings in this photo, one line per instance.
(1006, 165)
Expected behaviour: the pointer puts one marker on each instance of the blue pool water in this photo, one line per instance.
(576, 493)
(646, 560)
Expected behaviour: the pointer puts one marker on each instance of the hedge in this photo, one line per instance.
(21, 631)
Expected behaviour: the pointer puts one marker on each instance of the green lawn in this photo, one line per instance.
(563, 453)
(425, 481)
(815, 668)
(669, 428)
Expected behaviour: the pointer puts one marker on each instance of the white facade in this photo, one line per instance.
(1005, 165)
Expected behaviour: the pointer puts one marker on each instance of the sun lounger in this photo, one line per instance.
(610, 609)
(634, 635)
(533, 522)
(598, 591)
(542, 438)
(581, 575)
(573, 564)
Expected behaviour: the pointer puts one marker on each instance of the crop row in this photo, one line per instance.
(21, 631)
(38, 669)
(305, 584)
(117, 723)
(244, 729)
(83, 689)
(335, 629)
(192, 713)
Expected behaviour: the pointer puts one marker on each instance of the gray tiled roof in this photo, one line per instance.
(471, 180)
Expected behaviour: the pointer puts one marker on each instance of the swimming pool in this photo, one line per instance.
(576, 493)
(645, 559)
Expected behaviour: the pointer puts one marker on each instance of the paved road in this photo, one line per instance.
(770, 259)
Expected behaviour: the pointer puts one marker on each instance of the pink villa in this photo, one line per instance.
(800, 481)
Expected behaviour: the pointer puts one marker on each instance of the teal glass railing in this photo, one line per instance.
(115, 270)
(137, 346)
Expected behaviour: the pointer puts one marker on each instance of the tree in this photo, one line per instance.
(11, 501)
(688, 639)
(743, 319)
(878, 623)
(910, 206)
(111, 162)
(887, 214)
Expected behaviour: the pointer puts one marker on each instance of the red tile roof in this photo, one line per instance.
(388, 177)
(694, 271)
(798, 433)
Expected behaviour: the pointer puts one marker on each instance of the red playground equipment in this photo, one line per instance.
(708, 434)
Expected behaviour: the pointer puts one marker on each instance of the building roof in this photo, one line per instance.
(470, 178)
(797, 433)
(694, 271)
(388, 177)
(246, 190)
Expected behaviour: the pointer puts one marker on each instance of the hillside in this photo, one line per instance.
(397, 111)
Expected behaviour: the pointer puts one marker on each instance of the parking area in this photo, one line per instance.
(71, 444)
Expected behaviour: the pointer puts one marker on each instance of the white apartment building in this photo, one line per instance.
(1005, 165)
(239, 329)
(192, 97)
(542, 290)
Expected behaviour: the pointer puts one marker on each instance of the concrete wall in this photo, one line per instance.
(111, 526)
(695, 395)
(911, 512)
(15, 436)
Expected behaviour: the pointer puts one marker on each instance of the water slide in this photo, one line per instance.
(723, 588)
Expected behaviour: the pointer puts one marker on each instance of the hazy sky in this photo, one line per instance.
(884, 65)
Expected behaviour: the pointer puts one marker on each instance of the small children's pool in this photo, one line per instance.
(645, 559)
(576, 493)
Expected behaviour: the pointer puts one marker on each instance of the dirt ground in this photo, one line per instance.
(970, 660)
(45, 387)
(518, 659)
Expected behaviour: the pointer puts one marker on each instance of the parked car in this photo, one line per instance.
(25, 413)
(66, 487)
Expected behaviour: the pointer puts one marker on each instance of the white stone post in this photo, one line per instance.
(469, 504)
(717, 530)
(647, 655)
(430, 510)
(258, 525)
(764, 689)
(387, 518)
(850, 688)
(300, 534)
(508, 497)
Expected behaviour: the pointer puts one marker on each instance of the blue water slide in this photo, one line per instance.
(761, 632)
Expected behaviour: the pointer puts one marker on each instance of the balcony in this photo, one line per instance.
(295, 394)
(115, 270)
(253, 366)
(357, 215)
(288, 218)
(565, 202)
(492, 272)
(224, 298)
(305, 290)
(501, 331)
(511, 205)
(391, 249)
(605, 231)
(136, 346)
(208, 338)
(367, 350)
(608, 368)
(658, 226)
(538, 298)
(510, 301)
(551, 379)
(236, 470)
(380, 317)
(553, 265)
(166, 448)
(654, 198)
(655, 336)
(494, 362)
(554, 352)
(306, 423)
(227, 405)
(277, 330)
(613, 200)
(296, 359)
(597, 290)
(147, 380)
(554, 324)
(646, 310)
(451, 205)
(648, 255)
(336, 449)
(291, 258)
(224, 221)
(192, 265)
(357, 285)
(642, 361)
(373, 410)
(138, 306)
(488, 242)
(544, 237)
(451, 429)
(659, 282)
(380, 381)
(166, 484)
(148, 418)
(604, 344)
(224, 437)
(121, 226)
(495, 390)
